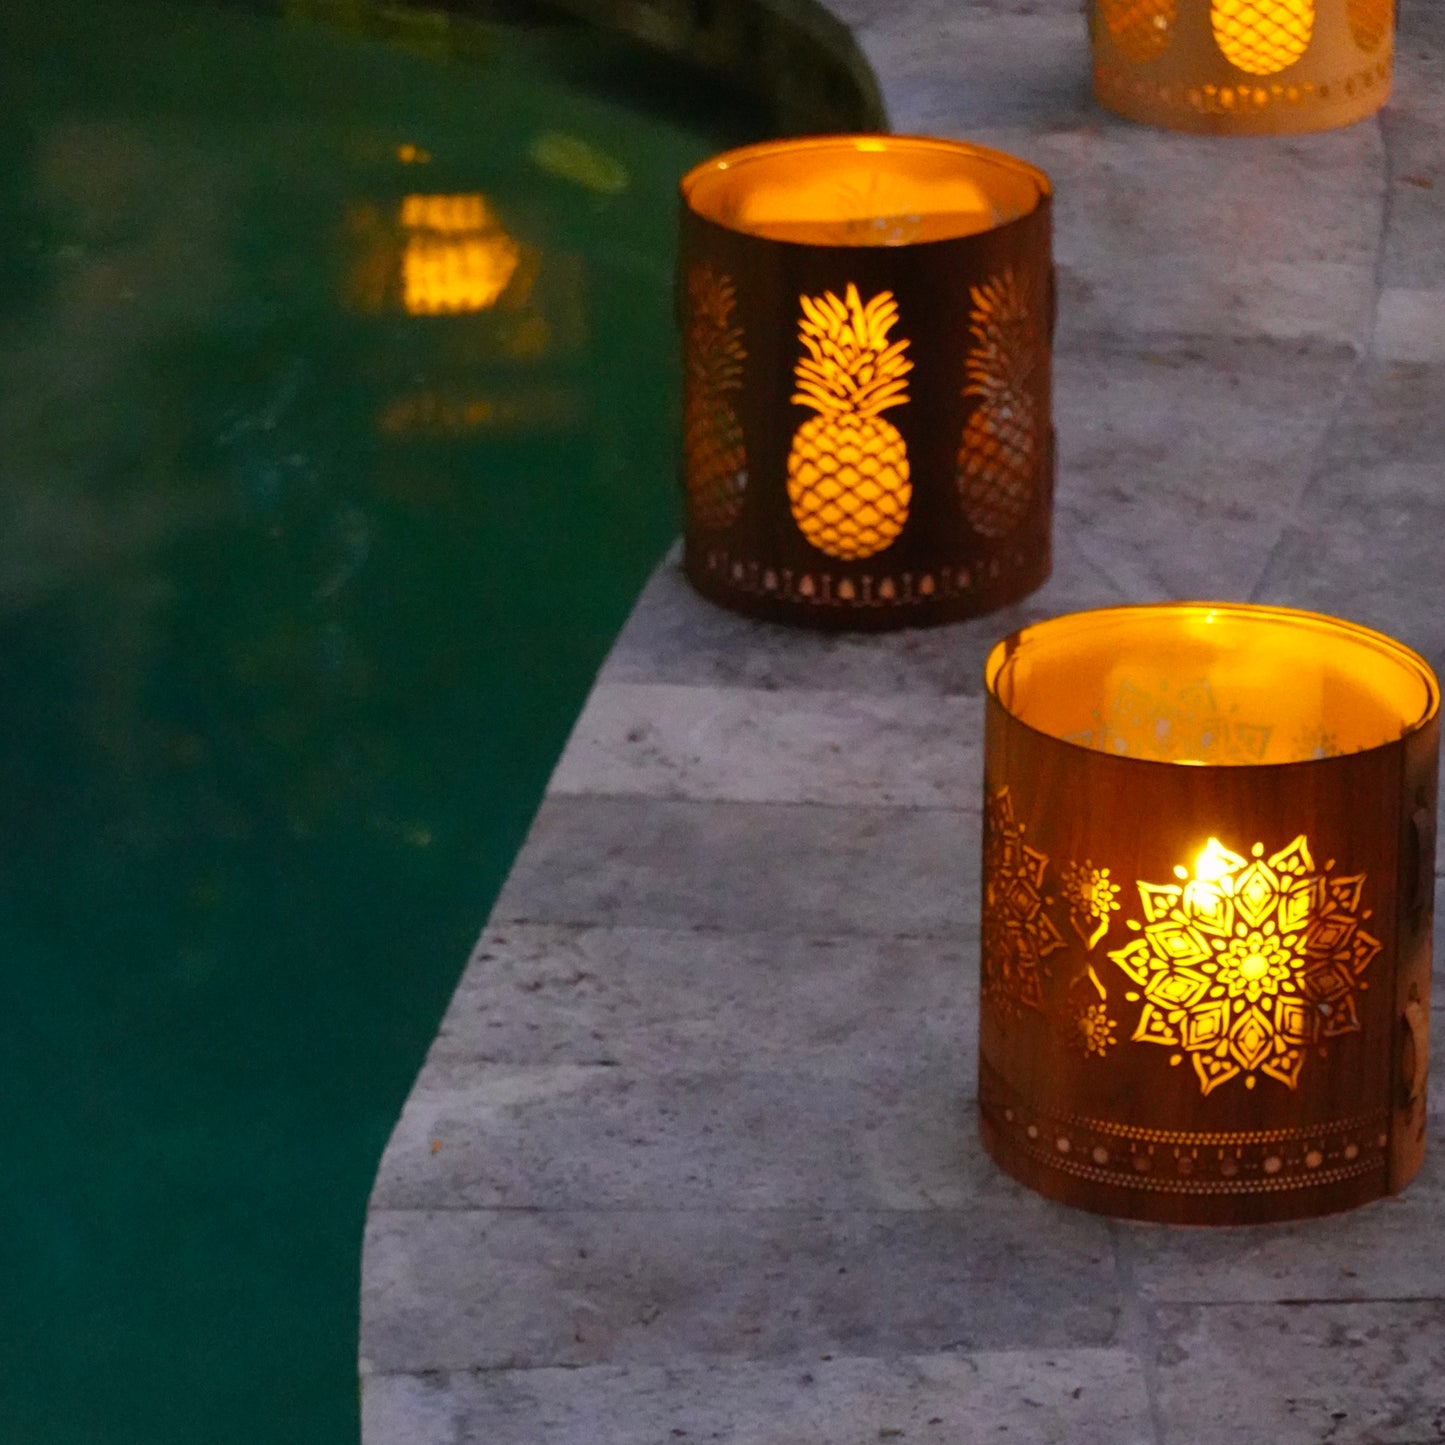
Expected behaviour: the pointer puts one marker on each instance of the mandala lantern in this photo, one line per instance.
(866, 326)
(1208, 873)
(1243, 66)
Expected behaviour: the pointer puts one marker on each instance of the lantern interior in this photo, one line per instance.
(863, 190)
(1195, 683)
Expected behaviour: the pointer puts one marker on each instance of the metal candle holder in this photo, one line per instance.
(866, 327)
(1241, 67)
(1208, 878)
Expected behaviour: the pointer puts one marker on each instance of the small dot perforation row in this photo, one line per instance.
(1225, 99)
(1202, 1163)
(824, 588)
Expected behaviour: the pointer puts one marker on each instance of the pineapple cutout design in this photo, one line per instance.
(998, 459)
(1142, 29)
(1263, 37)
(715, 458)
(848, 469)
(1370, 21)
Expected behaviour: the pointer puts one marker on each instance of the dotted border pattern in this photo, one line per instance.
(1242, 99)
(1229, 1162)
(822, 588)
(1120, 1180)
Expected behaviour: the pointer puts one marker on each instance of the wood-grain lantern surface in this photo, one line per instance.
(866, 325)
(1208, 867)
(1243, 66)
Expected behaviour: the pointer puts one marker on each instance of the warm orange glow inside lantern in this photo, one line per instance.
(866, 407)
(1243, 66)
(1208, 880)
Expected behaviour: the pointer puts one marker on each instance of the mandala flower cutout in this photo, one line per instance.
(1091, 897)
(1248, 963)
(1094, 1029)
(1018, 933)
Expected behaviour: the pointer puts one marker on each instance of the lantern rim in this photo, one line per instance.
(1369, 647)
(1011, 188)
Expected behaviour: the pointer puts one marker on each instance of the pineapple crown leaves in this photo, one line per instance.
(715, 352)
(1005, 349)
(851, 367)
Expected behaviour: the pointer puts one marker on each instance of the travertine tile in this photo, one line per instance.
(675, 636)
(750, 745)
(1410, 324)
(734, 1001)
(1374, 558)
(564, 1136)
(1391, 1249)
(522, 1289)
(1413, 257)
(1064, 1397)
(672, 1000)
(748, 867)
(1180, 466)
(1265, 238)
(1419, 62)
(948, 69)
(1390, 416)
(1349, 1374)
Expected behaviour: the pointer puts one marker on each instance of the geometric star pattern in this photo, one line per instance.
(1247, 964)
(1017, 932)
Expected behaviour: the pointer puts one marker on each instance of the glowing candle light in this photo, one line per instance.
(1243, 66)
(866, 334)
(1207, 906)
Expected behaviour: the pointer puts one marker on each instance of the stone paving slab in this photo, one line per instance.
(1349, 1374)
(692, 1151)
(526, 1289)
(962, 68)
(748, 867)
(1180, 466)
(1306, 215)
(751, 745)
(567, 1136)
(1414, 130)
(1364, 542)
(668, 1000)
(915, 1400)
(1410, 324)
(1393, 1249)
(674, 636)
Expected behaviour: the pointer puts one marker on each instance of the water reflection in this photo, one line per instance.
(571, 158)
(444, 255)
(454, 413)
(457, 256)
(326, 482)
(449, 257)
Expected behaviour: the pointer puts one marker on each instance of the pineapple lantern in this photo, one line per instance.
(866, 324)
(1243, 66)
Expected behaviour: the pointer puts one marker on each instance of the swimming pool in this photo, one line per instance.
(336, 438)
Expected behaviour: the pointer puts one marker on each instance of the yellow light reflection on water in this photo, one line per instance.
(457, 257)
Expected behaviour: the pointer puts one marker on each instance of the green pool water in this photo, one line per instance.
(299, 594)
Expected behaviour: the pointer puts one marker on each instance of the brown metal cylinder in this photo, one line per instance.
(1243, 67)
(866, 325)
(1208, 870)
